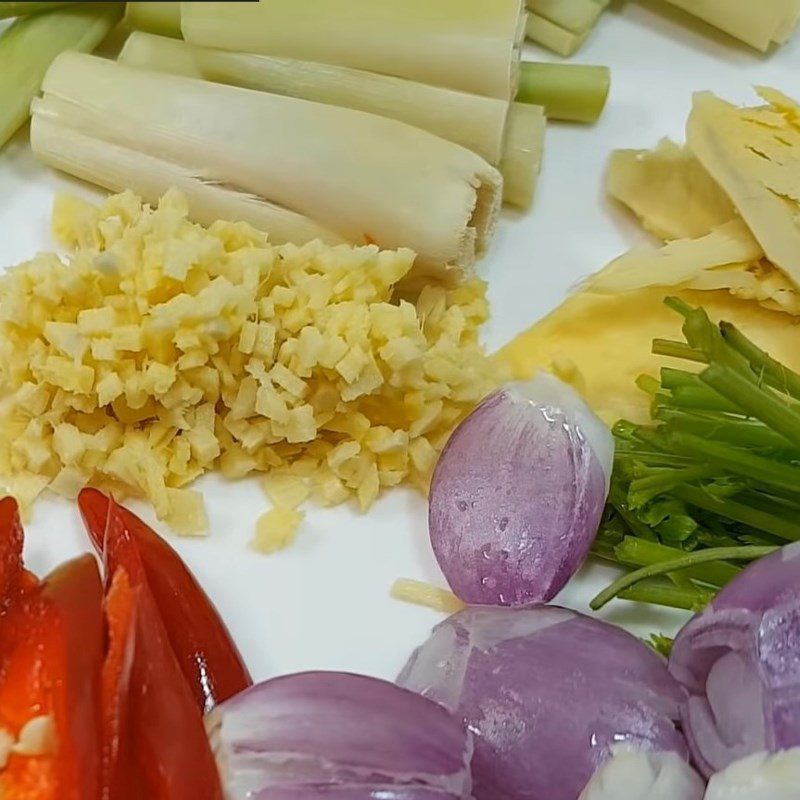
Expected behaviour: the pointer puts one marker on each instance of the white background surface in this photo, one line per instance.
(324, 603)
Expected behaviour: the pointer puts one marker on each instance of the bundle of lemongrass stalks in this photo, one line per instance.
(400, 130)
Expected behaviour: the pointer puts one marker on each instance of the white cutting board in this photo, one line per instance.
(324, 603)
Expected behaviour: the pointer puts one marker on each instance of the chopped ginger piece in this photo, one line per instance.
(424, 594)
(162, 349)
(276, 529)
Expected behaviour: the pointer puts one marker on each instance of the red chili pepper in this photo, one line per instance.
(51, 646)
(75, 593)
(209, 659)
(120, 777)
(11, 541)
(168, 740)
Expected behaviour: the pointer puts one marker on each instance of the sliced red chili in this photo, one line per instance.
(51, 641)
(209, 659)
(169, 742)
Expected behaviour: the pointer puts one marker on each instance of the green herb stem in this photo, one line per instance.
(775, 373)
(685, 562)
(642, 490)
(701, 398)
(659, 592)
(760, 403)
(754, 467)
(740, 512)
(737, 431)
(672, 349)
(640, 553)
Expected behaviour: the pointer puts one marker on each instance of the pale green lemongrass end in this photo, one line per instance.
(30, 44)
(9, 10)
(155, 17)
(578, 16)
(521, 162)
(572, 92)
(540, 30)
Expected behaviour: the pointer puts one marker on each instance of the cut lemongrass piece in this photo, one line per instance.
(29, 45)
(567, 91)
(523, 153)
(553, 36)
(154, 17)
(578, 16)
(8, 10)
(476, 122)
(758, 24)
(118, 168)
(367, 178)
(470, 45)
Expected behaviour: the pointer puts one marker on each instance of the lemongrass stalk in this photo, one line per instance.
(155, 17)
(29, 45)
(571, 92)
(676, 565)
(119, 168)
(523, 153)
(8, 10)
(476, 122)
(552, 36)
(578, 16)
(469, 45)
(364, 177)
(759, 24)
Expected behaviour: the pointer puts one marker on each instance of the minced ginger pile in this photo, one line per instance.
(161, 349)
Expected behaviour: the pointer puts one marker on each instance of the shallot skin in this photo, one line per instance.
(518, 494)
(547, 694)
(739, 663)
(339, 736)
